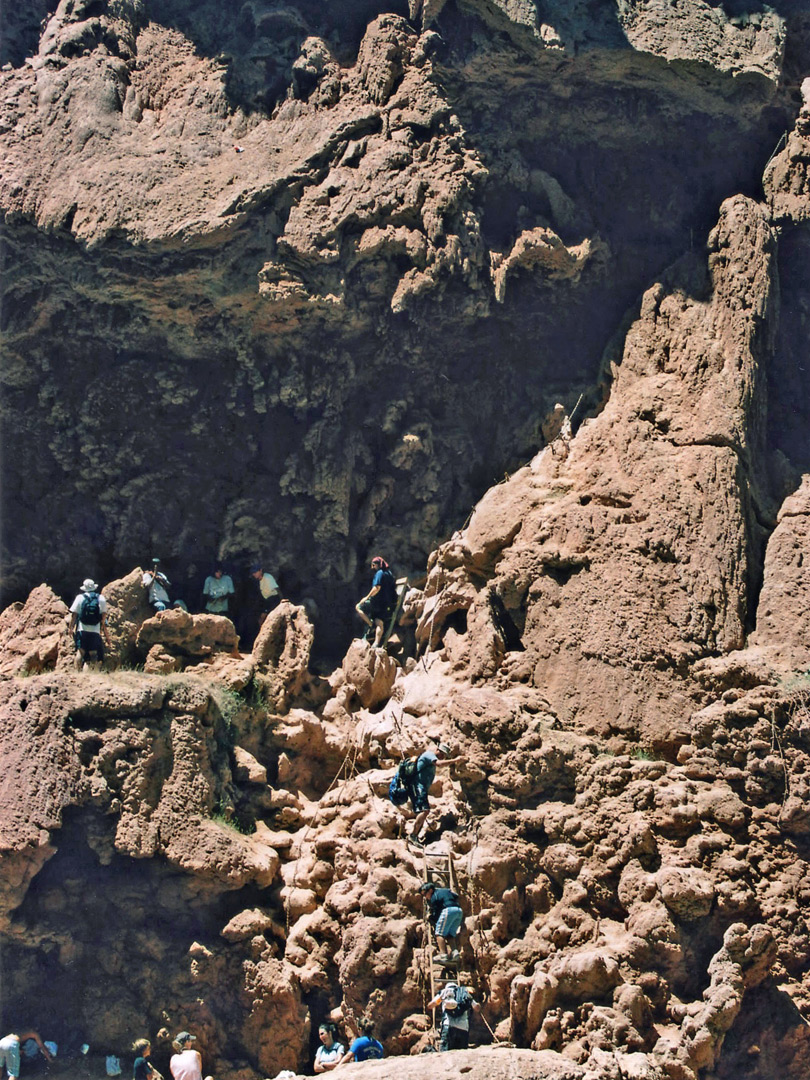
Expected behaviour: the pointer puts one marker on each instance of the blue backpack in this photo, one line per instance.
(397, 791)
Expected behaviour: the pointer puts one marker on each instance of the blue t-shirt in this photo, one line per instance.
(384, 581)
(364, 1049)
(426, 768)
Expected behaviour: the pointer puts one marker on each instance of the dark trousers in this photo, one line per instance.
(454, 1038)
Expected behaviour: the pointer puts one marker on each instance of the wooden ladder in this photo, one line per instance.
(402, 588)
(439, 868)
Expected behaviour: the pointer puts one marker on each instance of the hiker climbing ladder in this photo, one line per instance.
(439, 868)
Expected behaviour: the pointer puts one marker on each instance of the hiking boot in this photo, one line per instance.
(443, 959)
(455, 956)
(416, 841)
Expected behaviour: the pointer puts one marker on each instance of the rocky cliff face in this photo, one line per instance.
(330, 269)
(333, 270)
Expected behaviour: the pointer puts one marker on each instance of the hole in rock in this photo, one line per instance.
(100, 941)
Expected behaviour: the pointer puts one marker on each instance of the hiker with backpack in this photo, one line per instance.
(378, 605)
(413, 780)
(457, 1003)
(88, 623)
(446, 916)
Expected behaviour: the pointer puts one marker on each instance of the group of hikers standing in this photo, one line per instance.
(246, 608)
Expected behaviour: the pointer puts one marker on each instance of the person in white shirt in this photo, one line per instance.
(88, 623)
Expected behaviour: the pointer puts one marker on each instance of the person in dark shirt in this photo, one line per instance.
(377, 606)
(446, 916)
(143, 1069)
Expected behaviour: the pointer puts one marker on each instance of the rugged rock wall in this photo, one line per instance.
(322, 238)
(301, 264)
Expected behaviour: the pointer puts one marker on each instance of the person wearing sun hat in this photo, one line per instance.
(88, 621)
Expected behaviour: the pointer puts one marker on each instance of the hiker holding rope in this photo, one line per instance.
(457, 1003)
(416, 776)
(379, 603)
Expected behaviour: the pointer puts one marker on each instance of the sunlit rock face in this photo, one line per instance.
(299, 286)
(289, 286)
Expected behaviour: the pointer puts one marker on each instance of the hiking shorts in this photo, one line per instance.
(90, 642)
(419, 796)
(376, 611)
(448, 923)
(10, 1054)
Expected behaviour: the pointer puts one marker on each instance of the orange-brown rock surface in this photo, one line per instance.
(298, 283)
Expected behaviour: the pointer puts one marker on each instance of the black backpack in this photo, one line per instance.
(388, 589)
(463, 1001)
(91, 609)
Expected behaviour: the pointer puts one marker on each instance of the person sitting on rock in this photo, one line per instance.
(457, 1003)
(446, 916)
(10, 1051)
(366, 1047)
(217, 591)
(88, 623)
(420, 784)
(378, 605)
(330, 1053)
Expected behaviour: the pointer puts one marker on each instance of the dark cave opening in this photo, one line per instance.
(101, 941)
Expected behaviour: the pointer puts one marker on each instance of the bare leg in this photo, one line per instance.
(418, 822)
(378, 633)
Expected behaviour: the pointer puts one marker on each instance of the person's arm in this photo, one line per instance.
(43, 1049)
(347, 1057)
(319, 1065)
(104, 630)
(448, 761)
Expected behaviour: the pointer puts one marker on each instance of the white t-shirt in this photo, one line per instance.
(156, 589)
(268, 586)
(76, 607)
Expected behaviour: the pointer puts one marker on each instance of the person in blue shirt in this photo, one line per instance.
(366, 1047)
(420, 785)
(378, 605)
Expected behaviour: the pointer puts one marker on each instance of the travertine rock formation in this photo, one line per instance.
(303, 266)
(299, 263)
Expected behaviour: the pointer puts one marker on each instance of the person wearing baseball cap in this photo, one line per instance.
(186, 1062)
